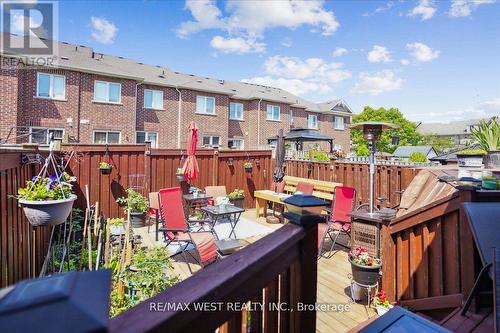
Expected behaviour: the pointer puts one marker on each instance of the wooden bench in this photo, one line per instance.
(322, 189)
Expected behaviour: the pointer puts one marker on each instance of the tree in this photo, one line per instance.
(417, 157)
(440, 144)
(407, 133)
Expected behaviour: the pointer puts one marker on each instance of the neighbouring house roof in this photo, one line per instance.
(406, 151)
(451, 155)
(83, 58)
(445, 129)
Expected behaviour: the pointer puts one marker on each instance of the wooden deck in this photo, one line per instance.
(333, 283)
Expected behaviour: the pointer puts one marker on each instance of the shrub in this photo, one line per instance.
(417, 157)
(134, 201)
(362, 151)
(319, 156)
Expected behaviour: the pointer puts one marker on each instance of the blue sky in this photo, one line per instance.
(434, 60)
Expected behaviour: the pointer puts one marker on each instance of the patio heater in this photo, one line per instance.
(371, 132)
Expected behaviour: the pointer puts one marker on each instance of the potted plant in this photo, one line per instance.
(179, 174)
(138, 206)
(116, 226)
(105, 167)
(248, 166)
(237, 197)
(488, 136)
(470, 158)
(382, 303)
(365, 268)
(47, 200)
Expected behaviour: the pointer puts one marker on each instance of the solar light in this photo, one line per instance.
(372, 130)
(300, 206)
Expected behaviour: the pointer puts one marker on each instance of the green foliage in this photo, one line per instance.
(248, 165)
(362, 150)
(408, 135)
(105, 165)
(488, 135)
(319, 156)
(440, 144)
(116, 221)
(472, 152)
(237, 193)
(48, 188)
(134, 201)
(417, 157)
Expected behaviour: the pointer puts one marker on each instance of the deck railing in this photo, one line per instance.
(277, 273)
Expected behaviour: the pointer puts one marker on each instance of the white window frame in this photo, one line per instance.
(309, 117)
(146, 134)
(236, 139)
(242, 110)
(48, 129)
(335, 123)
(152, 99)
(107, 92)
(205, 105)
(107, 133)
(337, 147)
(51, 86)
(272, 112)
(211, 144)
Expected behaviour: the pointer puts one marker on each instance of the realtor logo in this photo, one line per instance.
(29, 30)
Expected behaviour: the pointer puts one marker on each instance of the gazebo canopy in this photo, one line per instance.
(299, 135)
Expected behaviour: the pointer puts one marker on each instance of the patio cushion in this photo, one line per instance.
(343, 203)
(305, 188)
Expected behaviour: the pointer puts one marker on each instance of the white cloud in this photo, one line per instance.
(422, 52)
(404, 62)
(301, 76)
(377, 83)
(463, 8)
(35, 20)
(250, 19)
(379, 54)
(103, 31)
(382, 9)
(339, 51)
(237, 45)
(287, 42)
(425, 9)
(486, 109)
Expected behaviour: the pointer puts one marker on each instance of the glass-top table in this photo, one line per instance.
(218, 213)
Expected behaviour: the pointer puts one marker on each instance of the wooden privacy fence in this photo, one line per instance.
(153, 169)
(390, 180)
(22, 247)
(429, 255)
(277, 274)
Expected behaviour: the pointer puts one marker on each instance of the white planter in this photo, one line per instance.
(473, 161)
(48, 212)
(356, 292)
(382, 311)
(117, 230)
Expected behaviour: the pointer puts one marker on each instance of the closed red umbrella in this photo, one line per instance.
(190, 167)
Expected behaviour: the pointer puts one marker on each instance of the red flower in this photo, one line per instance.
(382, 296)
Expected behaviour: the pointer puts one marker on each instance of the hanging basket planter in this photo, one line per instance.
(105, 168)
(47, 212)
(248, 166)
(179, 174)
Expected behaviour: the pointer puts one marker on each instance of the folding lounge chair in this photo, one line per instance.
(305, 188)
(154, 212)
(176, 230)
(339, 221)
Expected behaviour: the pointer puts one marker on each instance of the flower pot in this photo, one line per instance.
(48, 212)
(382, 310)
(180, 177)
(473, 161)
(489, 184)
(238, 202)
(492, 159)
(116, 230)
(367, 275)
(106, 171)
(138, 219)
(248, 169)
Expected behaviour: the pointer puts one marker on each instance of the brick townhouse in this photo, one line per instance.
(89, 97)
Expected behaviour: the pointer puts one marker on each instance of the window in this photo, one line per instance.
(312, 121)
(235, 144)
(291, 117)
(236, 111)
(107, 92)
(51, 86)
(273, 112)
(338, 123)
(337, 147)
(42, 135)
(152, 137)
(153, 99)
(211, 141)
(104, 137)
(205, 104)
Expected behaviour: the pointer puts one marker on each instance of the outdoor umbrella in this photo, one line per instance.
(280, 158)
(190, 167)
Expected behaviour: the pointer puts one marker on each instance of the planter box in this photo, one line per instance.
(48, 212)
(475, 161)
(382, 311)
(138, 220)
(492, 159)
(366, 275)
(238, 202)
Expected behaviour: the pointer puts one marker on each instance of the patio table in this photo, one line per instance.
(219, 212)
(266, 196)
(193, 202)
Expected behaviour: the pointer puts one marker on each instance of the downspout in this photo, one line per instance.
(258, 123)
(179, 118)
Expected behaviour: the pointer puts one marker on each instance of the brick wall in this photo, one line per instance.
(8, 100)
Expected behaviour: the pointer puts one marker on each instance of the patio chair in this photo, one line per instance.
(216, 191)
(278, 187)
(338, 220)
(176, 230)
(305, 188)
(154, 212)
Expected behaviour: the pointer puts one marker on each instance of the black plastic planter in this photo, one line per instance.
(138, 219)
(180, 177)
(248, 169)
(105, 171)
(367, 275)
(238, 202)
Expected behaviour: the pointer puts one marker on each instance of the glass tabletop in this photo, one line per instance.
(201, 196)
(222, 209)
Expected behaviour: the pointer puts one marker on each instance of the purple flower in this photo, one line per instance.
(53, 178)
(34, 179)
